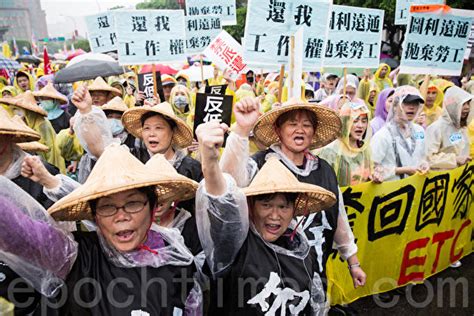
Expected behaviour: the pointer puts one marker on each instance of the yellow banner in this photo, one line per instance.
(405, 230)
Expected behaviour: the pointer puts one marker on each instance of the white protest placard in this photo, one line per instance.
(200, 31)
(226, 53)
(150, 36)
(435, 41)
(402, 9)
(470, 41)
(354, 38)
(270, 23)
(101, 32)
(225, 9)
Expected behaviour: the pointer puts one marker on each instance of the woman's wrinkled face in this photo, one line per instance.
(99, 98)
(124, 231)
(389, 103)
(296, 134)
(359, 127)
(272, 217)
(157, 134)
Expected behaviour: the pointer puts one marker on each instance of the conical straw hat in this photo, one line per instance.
(187, 187)
(26, 101)
(17, 128)
(327, 129)
(116, 104)
(131, 119)
(99, 84)
(116, 170)
(274, 177)
(49, 91)
(34, 147)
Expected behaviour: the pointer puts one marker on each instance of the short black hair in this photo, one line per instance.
(289, 197)
(148, 191)
(147, 115)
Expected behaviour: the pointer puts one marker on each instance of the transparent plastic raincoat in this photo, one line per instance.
(352, 165)
(446, 138)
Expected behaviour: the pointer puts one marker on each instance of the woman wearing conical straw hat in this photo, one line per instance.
(25, 106)
(14, 131)
(158, 126)
(143, 269)
(290, 132)
(260, 259)
(50, 100)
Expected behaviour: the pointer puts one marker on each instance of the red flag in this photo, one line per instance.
(47, 64)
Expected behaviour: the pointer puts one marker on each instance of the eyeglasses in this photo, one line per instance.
(130, 208)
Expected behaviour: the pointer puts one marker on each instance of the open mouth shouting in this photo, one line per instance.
(125, 236)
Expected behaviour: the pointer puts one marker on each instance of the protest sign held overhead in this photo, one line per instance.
(200, 31)
(225, 9)
(219, 89)
(150, 36)
(101, 32)
(212, 107)
(402, 9)
(354, 37)
(270, 24)
(226, 53)
(147, 85)
(435, 41)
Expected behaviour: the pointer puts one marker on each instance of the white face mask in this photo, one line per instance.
(116, 126)
(181, 101)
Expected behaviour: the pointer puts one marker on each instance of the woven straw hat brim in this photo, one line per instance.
(115, 105)
(50, 92)
(20, 136)
(311, 198)
(75, 206)
(114, 91)
(14, 127)
(34, 147)
(30, 107)
(131, 119)
(327, 130)
(60, 98)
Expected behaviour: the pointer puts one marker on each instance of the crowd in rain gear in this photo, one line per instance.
(118, 142)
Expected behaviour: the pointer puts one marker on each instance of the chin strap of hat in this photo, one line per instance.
(305, 213)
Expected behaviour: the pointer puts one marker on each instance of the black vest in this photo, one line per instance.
(97, 287)
(255, 264)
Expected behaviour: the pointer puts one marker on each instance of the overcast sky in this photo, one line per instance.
(62, 15)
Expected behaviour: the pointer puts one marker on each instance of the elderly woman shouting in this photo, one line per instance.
(129, 266)
(261, 261)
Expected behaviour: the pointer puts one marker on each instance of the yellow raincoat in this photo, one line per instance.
(352, 165)
(383, 83)
(433, 113)
(69, 145)
(48, 137)
(32, 81)
(187, 114)
(13, 92)
(364, 90)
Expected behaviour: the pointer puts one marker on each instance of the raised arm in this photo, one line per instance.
(236, 159)
(221, 208)
(90, 124)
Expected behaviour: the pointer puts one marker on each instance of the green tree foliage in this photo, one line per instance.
(82, 44)
(158, 4)
(237, 31)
